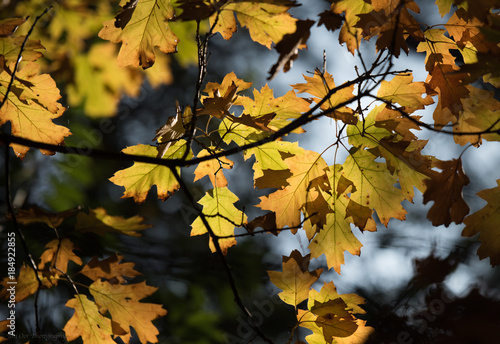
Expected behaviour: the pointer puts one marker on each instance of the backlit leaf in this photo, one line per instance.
(222, 216)
(288, 201)
(31, 107)
(295, 280)
(87, 322)
(139, 178)
(123, 304)
(140, 26)
(59, 253)
(374, 185)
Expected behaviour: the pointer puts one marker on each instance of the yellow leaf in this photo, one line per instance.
(405, 158)
(267, 22)
(87, 322)
(350, 34)
(319, 86)
(295, 280)
(335, 237)
(285, 108)
(110, 269)
(402, 90)
(481, 112)
(213, 169)
(140, 26)
(485, 222)
(139, 178)
(99, 222)
(31, 107)
(335, 321)
(10, 46)
(374, 185)
(437, 48)
(26, 284)
(59, 253)
(221, 215)
(288, 201)
(123, 304)
(367, 133)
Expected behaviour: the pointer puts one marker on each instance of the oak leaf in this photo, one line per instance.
(37, 215)
(26, 283)
(404, 91)
(374, 185)
(266, 22)
(173, 130)
(98, 221)
(110, 269)
(320, 86)
(392, 23)
(437, 48)
(31, 107)
(221, 215)
(367, 133)
(122, 301)
(288, 201)
(481, 112)
(285, 108)
(451, 88)
(445, 189)
(139, 178)
(335, 236)
(212, 168)
(295, 280)
(87, 322)
(10, 45)
(485, 222)
(140, 26)
(59, 253)
(349, 33)
(334, 323)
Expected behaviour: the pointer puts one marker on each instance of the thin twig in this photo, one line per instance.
(218, 249)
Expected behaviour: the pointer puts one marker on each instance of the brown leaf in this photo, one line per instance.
(110, 269)
(445, 189)
(266, 222)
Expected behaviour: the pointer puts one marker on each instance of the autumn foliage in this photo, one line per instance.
(99, 51)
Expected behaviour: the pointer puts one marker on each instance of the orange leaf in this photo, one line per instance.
(31, 107)
(110, 269)
(213, 169)
(123, 304)
(288, 201)
(62, 252)
(87, 322)
(295, 280)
